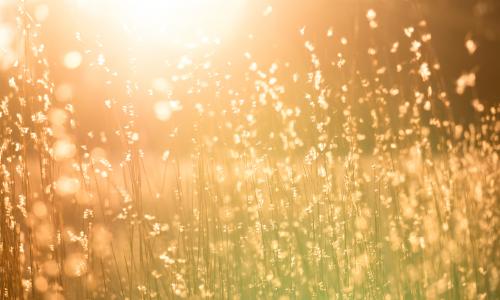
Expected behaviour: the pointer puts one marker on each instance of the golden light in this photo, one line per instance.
(312, 148)
(64, 149)
(7, 53)
(72, 59)
(41, 12)
(177, 21)
(180, 20)
(162, 110)
(66, 186)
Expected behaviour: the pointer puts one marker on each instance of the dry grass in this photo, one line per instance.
(368, 191)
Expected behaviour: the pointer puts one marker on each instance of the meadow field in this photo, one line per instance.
(249, 149)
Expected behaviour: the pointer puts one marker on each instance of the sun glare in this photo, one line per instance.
(185, 21)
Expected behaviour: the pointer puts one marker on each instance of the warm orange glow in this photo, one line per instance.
(72, 60)
(184, 22)
(249, 149)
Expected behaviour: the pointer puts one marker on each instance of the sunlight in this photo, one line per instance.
(178, 21)
(249, 149)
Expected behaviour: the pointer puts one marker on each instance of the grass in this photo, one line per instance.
(369, 190)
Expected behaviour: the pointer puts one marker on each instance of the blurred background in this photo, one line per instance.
(124, 51)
